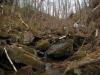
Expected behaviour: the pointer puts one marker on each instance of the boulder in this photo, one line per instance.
(15, 38)
(19, 55)
(27, 70)
(4, 35)
(29, 49)
(43, 44)
(60, 50)
(27, 37)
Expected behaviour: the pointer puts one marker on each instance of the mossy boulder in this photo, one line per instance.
(29, 49)
(19, 55)
(4, 35)
(42, 44)
(61, 50)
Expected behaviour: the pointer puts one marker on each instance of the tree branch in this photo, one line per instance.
(10, 60)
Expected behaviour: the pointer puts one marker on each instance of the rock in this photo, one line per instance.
(19, 55)
(4, 35)
(52, 71)
(29, 49)
(27, 37)
(3, 42)
(78, 41)
(82, 52)
(27, 70)
(60, 50)
(15, 38)
(42, 44)
(1, 71)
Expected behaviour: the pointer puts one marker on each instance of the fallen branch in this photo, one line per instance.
(96, 8)
(62, 37)
(10, 60)
(26, 25)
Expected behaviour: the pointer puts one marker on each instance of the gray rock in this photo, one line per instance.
(61, 50)
(27, 37)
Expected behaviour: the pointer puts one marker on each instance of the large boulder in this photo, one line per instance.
(60, 50)
(20, 55)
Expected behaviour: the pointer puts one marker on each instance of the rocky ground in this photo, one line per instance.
(48, 55)
(23, 51)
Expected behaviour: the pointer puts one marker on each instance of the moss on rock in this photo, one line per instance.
(42, 44)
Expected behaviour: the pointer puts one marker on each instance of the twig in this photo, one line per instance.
(10, 60)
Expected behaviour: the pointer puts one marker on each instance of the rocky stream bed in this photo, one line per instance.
(49, 54)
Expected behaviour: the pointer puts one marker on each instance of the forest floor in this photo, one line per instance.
(44, 45)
